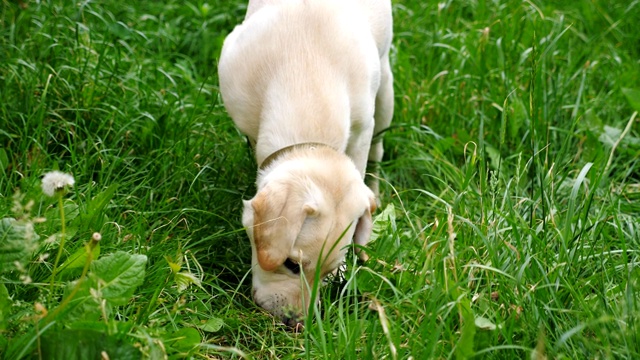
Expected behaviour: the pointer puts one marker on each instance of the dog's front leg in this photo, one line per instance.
(383, 115)
(359, 143)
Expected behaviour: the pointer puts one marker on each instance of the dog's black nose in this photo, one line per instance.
(293, 266)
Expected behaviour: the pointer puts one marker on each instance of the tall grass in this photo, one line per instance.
(510, 186)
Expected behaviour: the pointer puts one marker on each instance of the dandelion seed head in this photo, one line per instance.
(55, 181)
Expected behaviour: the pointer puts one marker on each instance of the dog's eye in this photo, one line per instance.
(292, 265)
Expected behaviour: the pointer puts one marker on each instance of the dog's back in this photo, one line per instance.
(304, 70)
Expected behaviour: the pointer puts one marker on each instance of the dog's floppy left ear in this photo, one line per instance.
(277, 220)
(362, 234)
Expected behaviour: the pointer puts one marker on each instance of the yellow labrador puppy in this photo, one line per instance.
(309, 82)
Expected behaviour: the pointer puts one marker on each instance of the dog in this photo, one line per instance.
(309, 83)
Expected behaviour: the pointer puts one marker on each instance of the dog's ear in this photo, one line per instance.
(277, 220)
(365, 225)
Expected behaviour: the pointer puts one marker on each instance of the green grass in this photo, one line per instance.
(510, 225)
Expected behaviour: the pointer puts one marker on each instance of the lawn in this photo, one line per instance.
(510, 188)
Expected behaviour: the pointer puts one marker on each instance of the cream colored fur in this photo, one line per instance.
(297, 72)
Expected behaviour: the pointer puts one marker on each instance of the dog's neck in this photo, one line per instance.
(285, 150)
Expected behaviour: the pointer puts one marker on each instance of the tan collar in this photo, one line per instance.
(308, 145)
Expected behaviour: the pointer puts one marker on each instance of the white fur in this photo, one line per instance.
(308, 71)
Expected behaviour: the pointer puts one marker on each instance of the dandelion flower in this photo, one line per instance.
(55, 181)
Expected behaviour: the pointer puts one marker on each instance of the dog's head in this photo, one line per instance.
(305, 212)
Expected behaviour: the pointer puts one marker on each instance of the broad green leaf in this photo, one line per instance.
(18, 240)
(382, 221)
(633, 97)
(184, 279)
(76, 261)
(212, 325)
(591, 122)
(464, 347)
(84, 306)
(120, 274)
(5, 305)
(113, 278)
(72, 344)
(494, 156)
(183, 340)
(484, 323)
(71, 212)
(610, 135)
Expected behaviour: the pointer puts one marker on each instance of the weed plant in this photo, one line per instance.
(510, 224)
